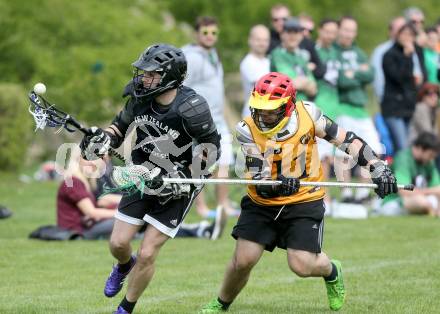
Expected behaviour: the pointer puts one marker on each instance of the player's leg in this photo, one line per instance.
(308, 264)
(303, 239)
(128, 221)
(246, 256)
(143, 270)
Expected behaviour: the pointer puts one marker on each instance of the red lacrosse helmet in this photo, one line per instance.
(272, 102)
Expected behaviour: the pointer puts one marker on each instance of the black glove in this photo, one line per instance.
(384, 178)
(172, 191)
(96, 144)
(288, 186)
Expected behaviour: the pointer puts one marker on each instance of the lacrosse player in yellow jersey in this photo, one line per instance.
(279, 142)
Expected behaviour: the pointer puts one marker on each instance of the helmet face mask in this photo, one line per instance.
(272, 103)
(166, 60)
(268, 119)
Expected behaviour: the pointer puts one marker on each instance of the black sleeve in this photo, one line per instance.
(125, 117)
(421, 56)
(397, 68)
(320, 69)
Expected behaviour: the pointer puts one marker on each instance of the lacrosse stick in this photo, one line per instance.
(131, 176)
(47, 115)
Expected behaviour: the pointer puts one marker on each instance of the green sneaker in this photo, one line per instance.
(212, 307)
(335, 289)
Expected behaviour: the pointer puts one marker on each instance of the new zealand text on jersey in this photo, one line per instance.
(149, 119)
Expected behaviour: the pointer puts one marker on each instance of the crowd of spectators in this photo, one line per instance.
(330, 69)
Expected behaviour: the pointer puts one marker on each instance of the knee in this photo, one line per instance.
(146, 257)
(300, 266)
(243, 264)
(301, 269)
(119, 245)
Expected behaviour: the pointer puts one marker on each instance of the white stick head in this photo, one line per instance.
(39, 89)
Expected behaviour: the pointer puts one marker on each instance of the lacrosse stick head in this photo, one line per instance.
(46, 115)
(131, 179)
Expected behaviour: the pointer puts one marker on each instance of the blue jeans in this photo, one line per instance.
(399, 129)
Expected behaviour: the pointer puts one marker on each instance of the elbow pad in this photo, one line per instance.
(365, 153)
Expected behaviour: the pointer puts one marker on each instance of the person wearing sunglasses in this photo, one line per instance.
(279, 13)
(293, 61)
(416, 17)
(205, 76)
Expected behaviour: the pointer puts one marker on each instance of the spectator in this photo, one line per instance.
(255, 64)
(379, 51)
(424, 117)
(416, 17)
(205, 76)
(327, 98)
(289, 59)
(354, 75)
(415, 165)
(431, 55)
(77, 208)
(315, 65)
(400, 85)
(279, 13)
(307, 24)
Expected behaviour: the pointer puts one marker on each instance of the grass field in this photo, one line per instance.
(391, 265)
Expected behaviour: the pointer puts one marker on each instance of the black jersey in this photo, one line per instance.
(166, 134)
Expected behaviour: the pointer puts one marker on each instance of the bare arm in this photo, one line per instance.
(87, 208)
(109, 200)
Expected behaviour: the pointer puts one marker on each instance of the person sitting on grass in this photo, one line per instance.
(82, 207)
(416, 165)
(77, 207)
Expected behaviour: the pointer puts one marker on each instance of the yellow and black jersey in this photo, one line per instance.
(291, 152)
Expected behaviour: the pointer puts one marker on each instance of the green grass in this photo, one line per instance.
(391, 265)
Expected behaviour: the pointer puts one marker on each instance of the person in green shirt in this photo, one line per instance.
(289, 59)
(354, 75)
(415, 165)
(327, 98)
(432, 57)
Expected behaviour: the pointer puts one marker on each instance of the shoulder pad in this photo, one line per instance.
(196, 115)
(243, 133)
(313, 110)
(128, 89)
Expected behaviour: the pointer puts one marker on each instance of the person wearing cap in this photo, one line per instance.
(293, 61)
(424, 117)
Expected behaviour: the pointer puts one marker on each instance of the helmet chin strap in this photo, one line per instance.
(270, 133)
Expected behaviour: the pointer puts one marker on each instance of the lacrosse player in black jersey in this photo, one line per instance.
(169, 121)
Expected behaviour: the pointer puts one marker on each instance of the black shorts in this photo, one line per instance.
(295, 226)
(137, 210)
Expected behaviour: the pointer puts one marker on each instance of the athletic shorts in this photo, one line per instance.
(227, 154)
(167, 218)
(294, 226)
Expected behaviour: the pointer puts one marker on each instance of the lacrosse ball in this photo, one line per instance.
(39, 88)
